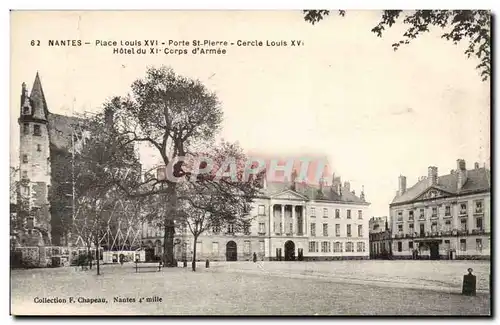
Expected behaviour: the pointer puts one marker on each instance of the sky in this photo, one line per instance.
(345, 94)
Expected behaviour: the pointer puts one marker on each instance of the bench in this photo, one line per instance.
(151, 266)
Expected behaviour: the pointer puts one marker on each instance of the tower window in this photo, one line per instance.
(25, 159)
(37, 130)
(26, 110)
(38, 147)
(26, 128)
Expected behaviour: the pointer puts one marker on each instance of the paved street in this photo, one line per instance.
(240, 289)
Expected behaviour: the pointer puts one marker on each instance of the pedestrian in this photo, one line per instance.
(254, 257)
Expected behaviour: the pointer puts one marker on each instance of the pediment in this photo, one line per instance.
(432, 193)
(289, 195)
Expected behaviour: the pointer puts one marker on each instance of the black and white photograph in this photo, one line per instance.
(250, 163)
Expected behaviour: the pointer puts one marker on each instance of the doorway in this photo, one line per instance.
(289, 251)
(434, 251)
(231, 251)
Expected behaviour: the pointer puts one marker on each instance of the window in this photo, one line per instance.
(400, 228)
(447, 210)
(313, 212)
(216, 229)
(422, 229)
(247, 247)
(325, 213)
(410, 215)
(25, 174)
(38, 147)
(325, 247)
(313, 247)
(463, 208)
(215, 248)
(262, 210)
(25, 159)
(463, 224)
(479, 223)
(337, 230)
(479, 206)
(360, 214)
(337, 213)
(262, 228)
(411, 230)
(325, 229)
(230, 228)
(37, 130)
(246, 228)
(360, 230)
(447, 225)
(30, 222)
(198, 247)
(348, 230)
(410, 245)
(479, 244)
(422, 214)
(313, 229)
(348, 214)
(337, 247)
(26, 110)
(400, 215)
(400, 246)
(463, 245)
(262, 246)
(434, 227)
(360, 246)
(349, 247)
(26, 128)
(25, 190)
(434, 212)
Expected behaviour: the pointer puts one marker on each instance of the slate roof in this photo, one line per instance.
(311, 191)
(477, 180)
(61, 128)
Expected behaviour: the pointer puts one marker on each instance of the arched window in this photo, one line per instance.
(349, 247)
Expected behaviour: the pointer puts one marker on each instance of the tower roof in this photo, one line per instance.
(38, 102)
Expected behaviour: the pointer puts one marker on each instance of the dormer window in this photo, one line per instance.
(37, 130)
(25, 159)
(26, 110)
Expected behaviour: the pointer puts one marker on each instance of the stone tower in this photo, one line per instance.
(34, 155)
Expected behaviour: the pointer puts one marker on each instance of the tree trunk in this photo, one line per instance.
(168, 237)
(168, 243)
(97, 254)
(193, 265)
(89, 255)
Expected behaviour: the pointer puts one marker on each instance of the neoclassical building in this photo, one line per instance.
(291, 221)
(443, 217)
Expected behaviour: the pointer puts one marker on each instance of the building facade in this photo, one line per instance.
(291, 221)
(380, 238)
(443, 217)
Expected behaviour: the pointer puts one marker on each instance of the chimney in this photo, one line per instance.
(293, 179)
(462, 173)
(362, 195)
(336, 184)
(347, 186)
(476, 165)
(432, 174)
(402, 184)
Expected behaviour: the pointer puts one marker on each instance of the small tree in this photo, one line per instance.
(220, 197)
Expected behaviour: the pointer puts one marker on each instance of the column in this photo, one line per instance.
(282, 230)
(304, 224)
(294, 221)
